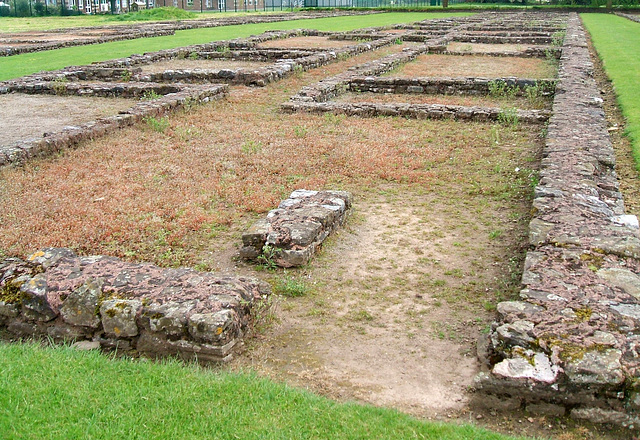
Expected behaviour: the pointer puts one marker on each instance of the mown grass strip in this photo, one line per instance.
(26, 64)
(617, 41)
(61, 393)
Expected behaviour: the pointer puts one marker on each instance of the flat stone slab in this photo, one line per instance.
(291, 234)
(113, 303)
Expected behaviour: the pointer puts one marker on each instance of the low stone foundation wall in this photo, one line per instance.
(632, 17)
(447, 86)
(418, 111)
(51, 143)
(496, 39)
(571, 343)
(126, 306)
(291, 234)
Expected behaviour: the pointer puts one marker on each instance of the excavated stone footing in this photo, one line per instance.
(318, 98)
(106, 302)
(632, 17)
(571, 343)
(291, 234)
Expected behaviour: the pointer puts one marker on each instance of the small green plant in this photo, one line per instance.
(290, 287)
(193, 56)
(398, 41)
(267, 259)
(223, 49)
(495, 135)
(509, 117)
(150, 95)
(333, 119)
(557, 38)
(496, 233)
(251, 147)
(189, 103)
(298, 71)
(59, 85)
(157, 124)
(500, 89)
(125, 76)
(534, 95)
(299, 131)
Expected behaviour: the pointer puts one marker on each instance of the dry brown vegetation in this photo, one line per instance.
(308, 42)
(187, 64)
(465, 100)
(476, 65)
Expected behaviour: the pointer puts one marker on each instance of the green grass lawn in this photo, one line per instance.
(617, 41)
(61, 393)
(25, 64)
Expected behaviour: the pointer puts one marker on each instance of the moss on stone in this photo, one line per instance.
(10, 293)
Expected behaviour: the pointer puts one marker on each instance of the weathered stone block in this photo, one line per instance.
(297, 227)
(528, 365)
(169, 318)
(596, 368)
(212, 327)
(119, 317)
(81, 306)
(35, 304)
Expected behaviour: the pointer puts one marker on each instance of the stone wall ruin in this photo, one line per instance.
(570, 344)
(130, 307)
(291, 234)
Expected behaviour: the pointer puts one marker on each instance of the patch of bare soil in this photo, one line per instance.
(309, 42)
(187, 64)
(391, 317)
(486, 47)
(30, 116)
(469, 101)
(471, 65)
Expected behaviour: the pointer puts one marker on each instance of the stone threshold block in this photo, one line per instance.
(291, 234)
(130, 307)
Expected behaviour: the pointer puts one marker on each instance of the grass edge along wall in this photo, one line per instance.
(617, 41)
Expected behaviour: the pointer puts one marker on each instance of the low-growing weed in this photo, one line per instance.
(509, 116)
(500, 89)
(267, 259)
(150, 95)
(157, 124)
(251, 147)
(299, 131)
(59, 85)
(290, 287)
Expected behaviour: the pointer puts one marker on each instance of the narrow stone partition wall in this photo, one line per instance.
(291, 234)
(571, 344)
(126, 306)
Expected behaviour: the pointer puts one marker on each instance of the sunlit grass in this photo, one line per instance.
(617, 41)
(60, 393)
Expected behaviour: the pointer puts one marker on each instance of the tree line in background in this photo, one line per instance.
(28, 8)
